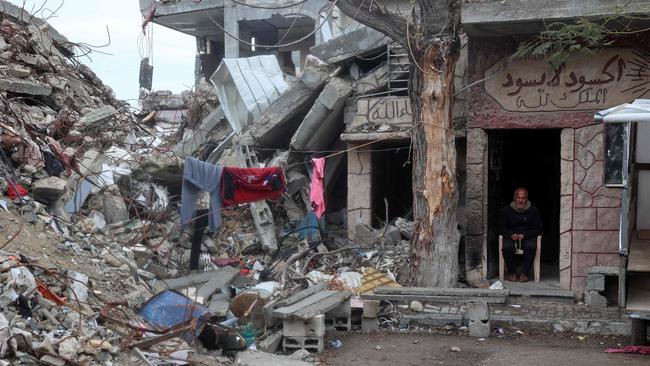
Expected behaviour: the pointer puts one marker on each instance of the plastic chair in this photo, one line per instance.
(536, 263)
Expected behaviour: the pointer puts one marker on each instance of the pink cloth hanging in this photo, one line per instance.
(317, 194)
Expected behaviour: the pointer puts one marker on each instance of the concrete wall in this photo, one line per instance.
(482, 18)
(590, 211)
(359, 188)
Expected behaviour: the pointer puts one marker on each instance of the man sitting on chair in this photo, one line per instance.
(520, 225)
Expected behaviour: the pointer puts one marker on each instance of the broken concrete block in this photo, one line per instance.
(97, 116)
(595, 282)
(479, 319)
(405, 227)
(37, 61)
(252, 358)
(49, 189)
(114, 209)
(373, 82)
(68, 348)
(365, 236)
(322, 124)
(295, 181)
(195, 139)
(350, 45)
(24, 86)
(594, 299)
(392, 234)
(271, 343)
(52, 361)
(14, 70)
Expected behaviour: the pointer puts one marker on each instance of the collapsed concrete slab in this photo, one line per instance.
(98, 115)
(247, 86)
(194, 139)
(323, 123)
(283, 117)
(373, 82)
(350, 45)
(24, 87)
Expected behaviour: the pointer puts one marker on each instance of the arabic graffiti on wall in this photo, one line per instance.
(605, 79)
(383, 110)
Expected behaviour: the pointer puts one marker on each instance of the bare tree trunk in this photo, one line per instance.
(434, 247)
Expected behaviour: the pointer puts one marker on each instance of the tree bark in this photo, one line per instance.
(434, 247)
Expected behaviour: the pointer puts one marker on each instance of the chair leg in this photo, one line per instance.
(501, 262)
(538, 258)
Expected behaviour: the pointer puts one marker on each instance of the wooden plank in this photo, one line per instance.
(220, 278)
(435, 291)
(639, 257)
(638, 296)
(318, 303)
(189, 280)
(285, 311)
(443, 299)
(322, 306)
(299, 296)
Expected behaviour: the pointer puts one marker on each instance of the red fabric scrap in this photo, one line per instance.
(243, 185)
(11, 193)
(643, 350)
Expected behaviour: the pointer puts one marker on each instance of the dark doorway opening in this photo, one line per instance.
(392, 180)
(530, 159)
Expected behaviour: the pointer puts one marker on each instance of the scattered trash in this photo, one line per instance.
(335, 343)
(498, 285)
(455, 349)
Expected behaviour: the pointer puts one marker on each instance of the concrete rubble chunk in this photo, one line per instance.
(405, 227)
(322, 124)
(14, 70)
(350, 45)
(68, 348)
(52, 361)
(479, 319)
(279, 122)
(373, 82)
(98, 115)
(196, 138)
(24, 87)
(594, 299)
(49, 189)
(37, 61)
(252, 358)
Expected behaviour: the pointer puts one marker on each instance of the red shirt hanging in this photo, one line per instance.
(242, 185)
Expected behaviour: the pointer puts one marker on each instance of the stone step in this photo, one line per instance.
(548, 294)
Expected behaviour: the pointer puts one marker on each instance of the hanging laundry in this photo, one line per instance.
(201, 176)
(317, 194)
(243, 185)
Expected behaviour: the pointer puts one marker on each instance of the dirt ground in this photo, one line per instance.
(435, 349)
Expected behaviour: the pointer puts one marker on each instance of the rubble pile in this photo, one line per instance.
(100, 187)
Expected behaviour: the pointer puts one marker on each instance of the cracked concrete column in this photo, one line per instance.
(231, 25)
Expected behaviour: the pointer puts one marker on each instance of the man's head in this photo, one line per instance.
(521, 198)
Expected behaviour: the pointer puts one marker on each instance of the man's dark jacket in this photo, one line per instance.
(528, 222)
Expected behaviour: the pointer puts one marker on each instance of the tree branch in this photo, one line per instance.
(376, 17)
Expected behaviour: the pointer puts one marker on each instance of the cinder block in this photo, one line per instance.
(271, 343)
(595, 282)
(339, 323)
(369, 325)
(314, 327)
(370, 308)
(311, 344)
(479, 329)
(478, 311)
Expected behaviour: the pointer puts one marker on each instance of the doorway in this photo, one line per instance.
(392, 189)
(530, 159)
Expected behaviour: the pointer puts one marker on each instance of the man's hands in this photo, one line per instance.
(517, 237)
